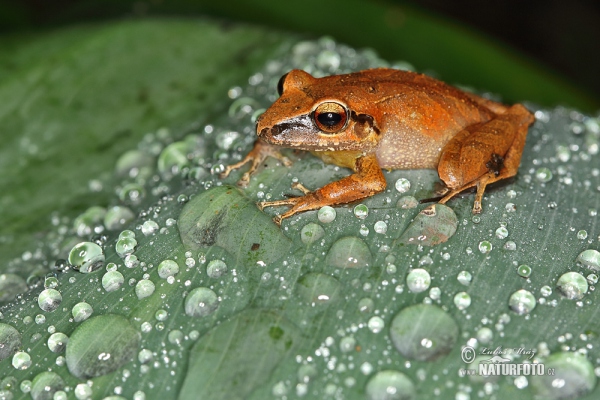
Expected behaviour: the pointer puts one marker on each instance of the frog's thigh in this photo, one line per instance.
(494, 146)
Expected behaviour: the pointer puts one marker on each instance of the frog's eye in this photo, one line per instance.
(330, 117)
(280, 84)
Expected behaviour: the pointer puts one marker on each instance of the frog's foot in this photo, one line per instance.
(256, 156)
(481, 184)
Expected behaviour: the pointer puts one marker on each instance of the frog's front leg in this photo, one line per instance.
(484, 153)
(257, 155)
(366, 181)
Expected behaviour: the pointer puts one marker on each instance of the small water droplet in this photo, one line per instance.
(590, 258)
(81, 311)
(361, 211)
(462, 300)
(125, 246)
(524, 271)
(86, 257)
(117, 217)
(376, 324)
(57, 342)
(21, 360)
(311, 233)
(418, 280)
(380, 227)
(144, 288)
(502, 232)
(167, 268)
(402, 185)
(149, 228)
(407, 202)
(582, 234)
(485, 246)
(348, 252)
(112, 280)
(49, 300)
(318, 288)
(464, 277)
(543, 174)
(572, 378)
(10, 341)
(216, 268)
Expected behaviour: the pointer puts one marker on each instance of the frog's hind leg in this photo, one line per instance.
(484, 153)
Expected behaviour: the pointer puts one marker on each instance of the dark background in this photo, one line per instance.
(563, 36)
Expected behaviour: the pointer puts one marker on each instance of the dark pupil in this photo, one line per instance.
(329, 119)
(280, 84)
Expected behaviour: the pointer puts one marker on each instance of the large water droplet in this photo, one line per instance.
(45, 385)
(10, 341)
(433, 225)
(573, 377)
(81, 311)
(86, 257)
(572, 285)
(101, 345)
(317, 288)
(423, 332)
(326, 214)
(49, 300)
(57, 342)
(201, 302)
(348, 252)
(390, 385)
(590, 258)
(522, 302)
(216, 268)
(402, 185)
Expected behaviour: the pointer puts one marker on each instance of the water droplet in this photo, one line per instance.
(582, 234)
(317, 288)
(117, 217)
(125, 246)
(168, 268)
(423, 332)
(21, 360)
(524, 271)
(573, 377)
(101, 345)
(149, 228)
(363, 231)
(90, 221)
(201, 302)
(433, 225)
(83, 391)
(522, 302)
(81, 311)
(175, 337)
(543, 174)
(502, 232)
(418, 280)
(57, 342)
(406, 202)
(590, 258)
(572, 285)
(361, 211)
(112, 281)
(462, 300)
(145, 356)
(311, 233)
(216, 269)
(132, 193)
(464, 277)
(485, 246)
(402, 185)
(10, 341)
(45, 385)
(347, 344)
(380, 227)
(510, 207)
(49, 300)
(173, 159)
(328, 60)
(11, 285)
(326, 214)
(390, 385)
(376, 324)
(134, 164)
(348, 252)
(86, 257)
(144, 288)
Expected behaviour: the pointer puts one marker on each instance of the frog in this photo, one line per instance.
(387, 119)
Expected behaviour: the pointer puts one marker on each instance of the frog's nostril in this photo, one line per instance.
(264, 132)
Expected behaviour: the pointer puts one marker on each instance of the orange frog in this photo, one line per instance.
(387, 119)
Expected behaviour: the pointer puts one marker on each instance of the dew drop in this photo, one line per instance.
(572, 285)
(49, 300)
(349, 252)
(462, 300)
(317, 288)
(423, 332)
(522, 302)
(117, 217)
(168, 268)
(311, 233)
(326, 214)
(418, 280)
(543, 174)
(149, 228)
(407, 202)
(376, 324)
(57, 342)
(101, 345)
(45, 385)
(361, 211)
(11, 285)
(380, 227)
(201, 302)
(10, 341)
(573, 377)
(216, 269)
(125, 246)
(112, 281)
(485, 246)
(524, 271)
(502, 232)
(402, 185)
(390, 385)
(21, 360)
(464, 277)
(590, 258)
(81, 311)
(86, 257)
(144, 288)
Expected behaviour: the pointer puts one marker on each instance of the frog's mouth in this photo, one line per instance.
(299, 132)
